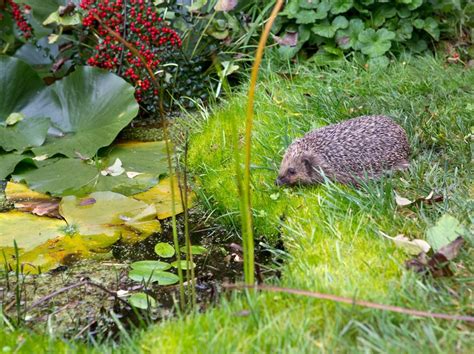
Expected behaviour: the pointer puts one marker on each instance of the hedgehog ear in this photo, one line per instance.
(308, 163)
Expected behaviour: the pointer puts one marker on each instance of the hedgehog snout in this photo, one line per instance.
(280, 181)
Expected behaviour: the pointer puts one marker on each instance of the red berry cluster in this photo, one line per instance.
(139, 24)
(19, 17)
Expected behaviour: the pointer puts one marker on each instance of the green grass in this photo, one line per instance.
(332, 232)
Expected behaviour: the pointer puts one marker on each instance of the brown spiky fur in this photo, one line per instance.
(348, 152)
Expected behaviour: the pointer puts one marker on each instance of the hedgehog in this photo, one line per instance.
(350, 152)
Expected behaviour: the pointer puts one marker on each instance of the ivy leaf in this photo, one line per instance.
(340, 6)
(375, 43)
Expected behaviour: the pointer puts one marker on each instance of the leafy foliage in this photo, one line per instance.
(332, 29)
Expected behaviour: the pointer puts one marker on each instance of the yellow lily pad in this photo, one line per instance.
(25, 199)
(103, 218)
(160, 197)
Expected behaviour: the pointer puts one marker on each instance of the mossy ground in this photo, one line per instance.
(331, 233)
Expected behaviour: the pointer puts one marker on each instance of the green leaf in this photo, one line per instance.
(71, 20)
(348, 37)
(163, 278)
(164, 250)
(8, 163)
(308, 4)
(184, 264)
(142, 301)
(375, 43)
(329, 30)
(306, 16)
(90, 107)
(19, 88)
(150, 266)
(61, 177)
(446, 230)
(196, 250)
(291, 9)
(431, 26)
(323, 9)
(41, 9)
(24, 134)
(414, 4)
(340, 6)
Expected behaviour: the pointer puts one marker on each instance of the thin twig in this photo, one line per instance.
(124, 35)
(72, 286)
(351, 301)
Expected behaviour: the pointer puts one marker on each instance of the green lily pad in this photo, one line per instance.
(143, 164)
(90, 107)
(61, 177)
(150, 266)
(163, 278)
(142, 301)
(164, 250)
(8, 162)
(184, 264)
(196, 250)
(19, 88)
(24, 134)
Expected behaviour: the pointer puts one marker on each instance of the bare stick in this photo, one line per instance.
(350, 301)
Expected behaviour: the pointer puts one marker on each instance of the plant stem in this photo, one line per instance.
(168, 149)
(249, 265)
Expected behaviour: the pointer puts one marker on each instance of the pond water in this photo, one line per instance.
(86, 299)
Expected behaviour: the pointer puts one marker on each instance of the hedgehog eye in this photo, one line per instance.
(291, 171)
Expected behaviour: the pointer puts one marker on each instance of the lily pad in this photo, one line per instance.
(163, 278)
(24, 134)
(76, 177)
(8, 162)
(150, 266)
(105, 217)
(160, 196)
(90, 107)
(184, 264)
(142, 301)
(19, 88)
(164, 250)
(196, 250)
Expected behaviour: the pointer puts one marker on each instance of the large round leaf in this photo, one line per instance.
(19, 88)
(90, 107)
